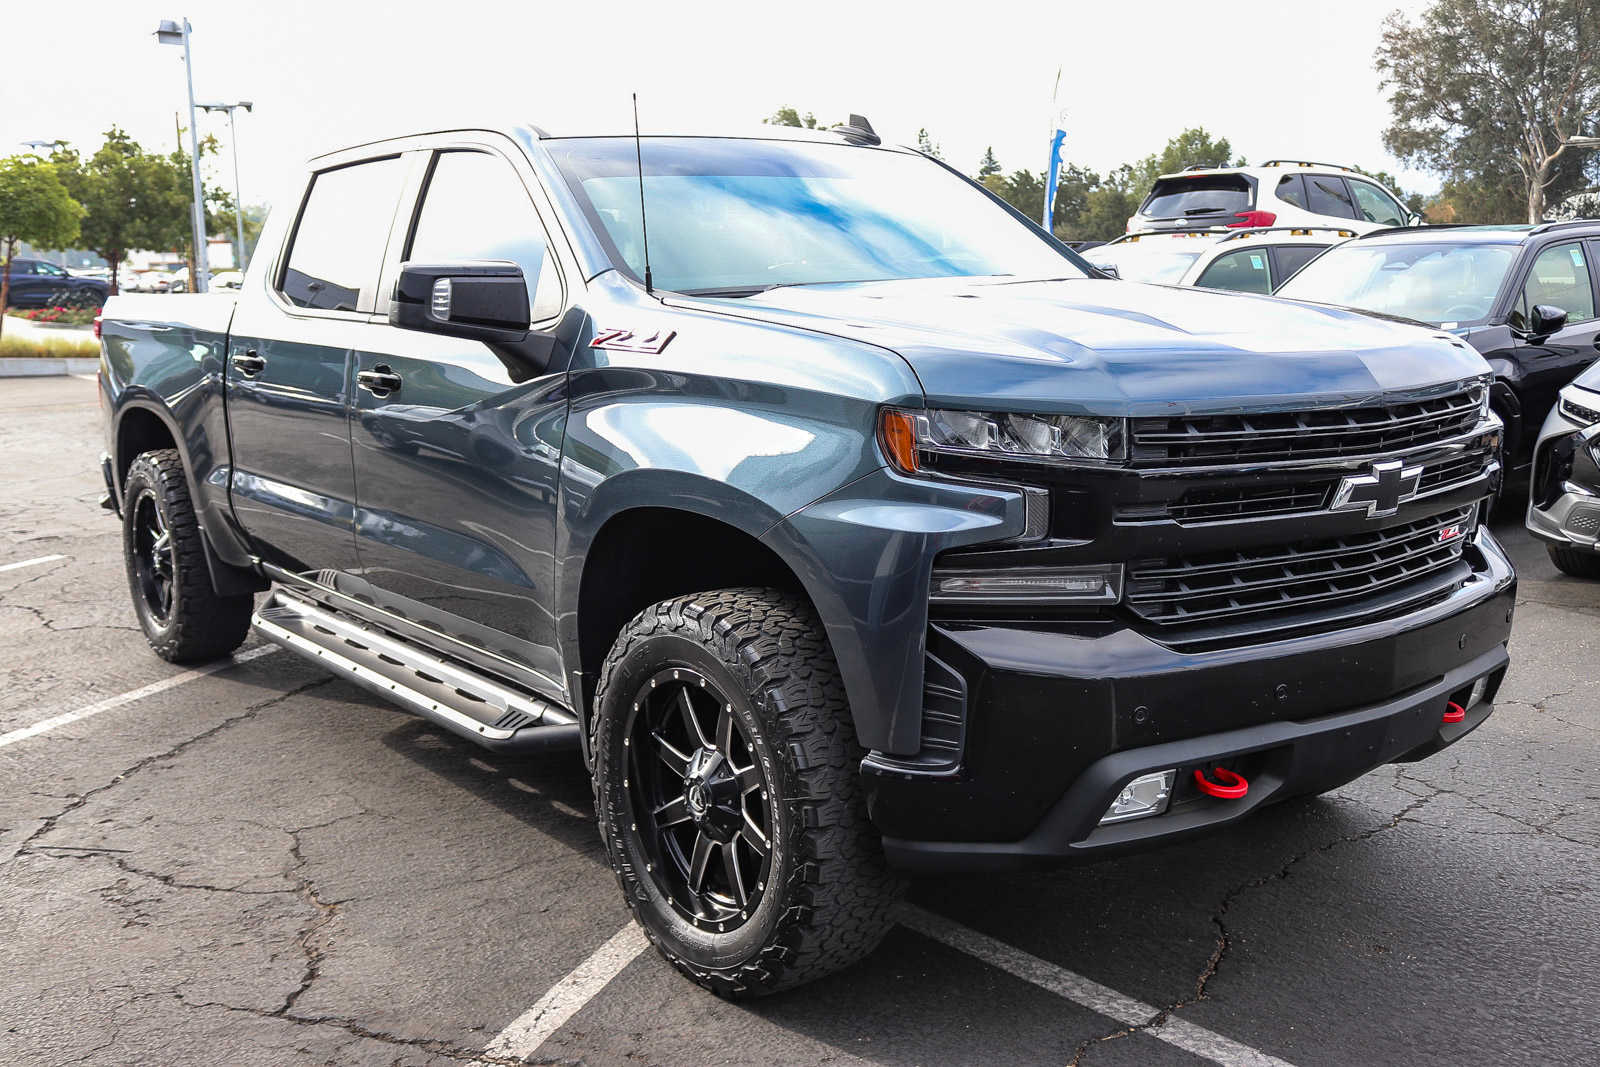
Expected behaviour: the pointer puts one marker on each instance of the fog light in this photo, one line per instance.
(1145, 795)
(1479, 687)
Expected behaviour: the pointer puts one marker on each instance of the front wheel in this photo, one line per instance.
(1579, 563)
(728, 789)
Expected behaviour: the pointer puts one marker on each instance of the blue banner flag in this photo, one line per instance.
(1051, 178)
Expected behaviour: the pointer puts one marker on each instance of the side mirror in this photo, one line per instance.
(1547, 319)
(1109, 270)
(482, 301)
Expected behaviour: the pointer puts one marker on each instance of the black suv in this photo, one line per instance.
(1524, 296)
(36, 284)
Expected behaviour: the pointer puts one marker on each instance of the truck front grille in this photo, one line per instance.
(1206, 504)
(1293, 577)
(1196, 440)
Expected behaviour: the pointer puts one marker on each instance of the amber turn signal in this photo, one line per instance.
(897, 436)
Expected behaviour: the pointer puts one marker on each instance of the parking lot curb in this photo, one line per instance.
(47, 366)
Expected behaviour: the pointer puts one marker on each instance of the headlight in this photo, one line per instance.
(1580, 405)
(1480, 394)
(1087, 439)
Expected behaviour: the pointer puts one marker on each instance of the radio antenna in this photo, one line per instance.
(644, 227)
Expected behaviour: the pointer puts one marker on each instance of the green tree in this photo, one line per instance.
(133, 198)
(988, 165)
(1193, 147)
(1475, 83)
(1108, 206)
(34, 207)
(926, 145)
(788, 116)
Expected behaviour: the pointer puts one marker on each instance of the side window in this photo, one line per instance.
(1328, 196)
(1292, 191)
(1244, 271)
(1377, 205)
(339, 241)
(1291, 258)
(476, 208)
(1559, 277)
(49, 270)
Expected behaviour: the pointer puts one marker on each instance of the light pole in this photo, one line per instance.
(170, 32)
(238, 195)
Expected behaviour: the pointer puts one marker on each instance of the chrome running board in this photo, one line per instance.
(449, 694)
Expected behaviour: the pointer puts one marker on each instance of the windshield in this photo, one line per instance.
(1447, 284)
(1134, 264)
(733, 216)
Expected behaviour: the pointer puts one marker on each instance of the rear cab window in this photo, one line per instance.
(339, 241)
(1221, 195)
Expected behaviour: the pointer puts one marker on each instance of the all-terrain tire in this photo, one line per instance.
(196, 624)
(1576, 562)
(829, 897)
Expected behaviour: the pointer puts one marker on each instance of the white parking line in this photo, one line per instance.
(532, 1028)
(1086, 992)
(29, 563)
(44, 726)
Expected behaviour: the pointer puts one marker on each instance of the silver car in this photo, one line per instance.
(1564, 509)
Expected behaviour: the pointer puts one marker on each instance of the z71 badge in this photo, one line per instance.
(629, 341)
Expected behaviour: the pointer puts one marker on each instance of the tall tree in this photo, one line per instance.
(34, 207)
(988, 165)
(1190, 148)
(133, 198)
(1476, 82)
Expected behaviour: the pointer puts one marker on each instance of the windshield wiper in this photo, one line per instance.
(1203, 210)
(732, 290)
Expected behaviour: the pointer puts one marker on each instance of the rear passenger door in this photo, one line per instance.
(292, 349)
(456, 452)
(1326, 194)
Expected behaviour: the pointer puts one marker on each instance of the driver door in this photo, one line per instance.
(1561, 275)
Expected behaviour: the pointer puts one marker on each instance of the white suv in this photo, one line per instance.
(1280, 192)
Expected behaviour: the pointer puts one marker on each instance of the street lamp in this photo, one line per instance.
(238, 195)
(170, 32)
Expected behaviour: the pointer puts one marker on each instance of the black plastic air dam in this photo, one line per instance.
(1049, 709)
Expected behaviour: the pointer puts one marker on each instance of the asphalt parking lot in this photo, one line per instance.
(257, 864)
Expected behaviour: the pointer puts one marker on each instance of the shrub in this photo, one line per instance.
(48, 348)
(61, 315)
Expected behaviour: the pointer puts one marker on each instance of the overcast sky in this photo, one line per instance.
(1278, 79)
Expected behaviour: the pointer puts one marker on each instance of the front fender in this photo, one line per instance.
(864, 554)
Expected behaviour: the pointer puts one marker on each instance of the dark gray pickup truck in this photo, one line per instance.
(847, 523)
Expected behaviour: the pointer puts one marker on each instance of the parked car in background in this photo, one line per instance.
(1564, 505)
(1244, 261)
(1524, 296)
(1280, 192)
(35, 283)
(1162, 258)
(228, 279)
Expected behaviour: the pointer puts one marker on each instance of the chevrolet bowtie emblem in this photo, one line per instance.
(1379, 493)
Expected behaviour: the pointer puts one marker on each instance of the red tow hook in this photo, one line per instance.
(1232, 787)
(1455, 712)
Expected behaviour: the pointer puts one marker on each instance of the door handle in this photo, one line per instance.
(248, 363)
(379, 381)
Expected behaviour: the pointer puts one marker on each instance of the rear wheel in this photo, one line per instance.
(727, 785)
(181, 614)
(1579, 563)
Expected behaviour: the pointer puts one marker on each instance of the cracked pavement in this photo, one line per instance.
(267, 866)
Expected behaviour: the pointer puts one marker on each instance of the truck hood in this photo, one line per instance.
(1092, 346)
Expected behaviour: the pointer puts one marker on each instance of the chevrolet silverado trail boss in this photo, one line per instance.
(847, 523)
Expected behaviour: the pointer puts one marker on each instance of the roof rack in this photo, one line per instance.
(1254, 230)
(1217, 231)
(1546, 227)
(858, 131)
(1307, 163)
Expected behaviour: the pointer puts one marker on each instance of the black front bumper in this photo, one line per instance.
(1058, 721)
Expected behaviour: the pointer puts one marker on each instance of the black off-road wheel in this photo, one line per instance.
(1575, 561)
(181, 614)
(727, 785)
